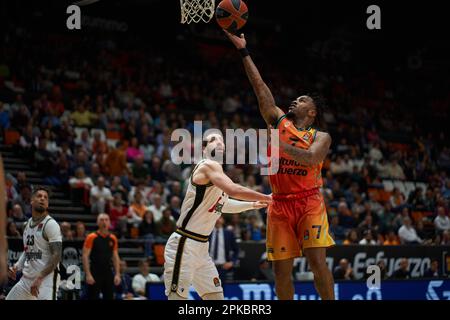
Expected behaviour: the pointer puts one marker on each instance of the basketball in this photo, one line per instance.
(231, 15)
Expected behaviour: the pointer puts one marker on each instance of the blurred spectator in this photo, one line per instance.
(155, 170)
(351, 238)
(175, 207)
(116, 164)
(84, 141)
(223, 250)
(407, 233)
(445, 238)
(336, 230)
(118, 214)
(10, 190)
(368, 238)
(136, 210)
(382, 265)
(133, 151)
(416, 200)
(124, 291)
(117, 187)
(98, 145)
(165, 226)
(391, 239)
(11, 230)
(66, 230)
(397, 199)
(254, 229)
(403, 271)
(147, 230)
(80, 186)
(17, 214)
(82, 117)
(140, 280)
(157, 207)
(24, 200)
(343, 271)
(100, 196)
(140, 170)
(433, 271)
(395, 171)
(80, 231)
(442, 221)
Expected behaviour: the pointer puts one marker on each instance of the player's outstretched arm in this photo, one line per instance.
(236, 206)
(312, 156)
(213, 172)
(270, 112)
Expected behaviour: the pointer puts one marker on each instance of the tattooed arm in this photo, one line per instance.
(56, 253)
(314, 155)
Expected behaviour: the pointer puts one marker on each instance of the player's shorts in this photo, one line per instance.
(187, 262)
(296, 222)
(22, 289)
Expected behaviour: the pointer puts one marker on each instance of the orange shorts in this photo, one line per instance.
(296, 222)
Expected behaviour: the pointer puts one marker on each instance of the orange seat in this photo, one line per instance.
(158, 250)
(11, 136)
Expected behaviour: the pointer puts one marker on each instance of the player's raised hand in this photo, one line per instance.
(239, 42)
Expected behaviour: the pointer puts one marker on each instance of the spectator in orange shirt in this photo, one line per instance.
(137, 210)
(391, 239)
(116, 164)
(99, 146)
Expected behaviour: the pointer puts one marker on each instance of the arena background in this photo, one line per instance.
(388, 99)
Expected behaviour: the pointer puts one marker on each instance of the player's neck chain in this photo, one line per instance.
(37, 221)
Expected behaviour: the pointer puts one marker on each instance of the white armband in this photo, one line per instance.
(236, 206)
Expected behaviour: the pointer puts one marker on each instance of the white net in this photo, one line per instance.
(196, 10)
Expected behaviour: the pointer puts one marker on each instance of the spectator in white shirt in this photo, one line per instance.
(100, 196)
(395, 170)
(368, 238)
(375, 153)
(441, 222)
(140, 280)
(157, 207)
(407, 233)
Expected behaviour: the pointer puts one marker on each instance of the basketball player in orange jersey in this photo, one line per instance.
(297, 222)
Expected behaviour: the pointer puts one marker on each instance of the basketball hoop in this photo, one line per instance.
(196, 10)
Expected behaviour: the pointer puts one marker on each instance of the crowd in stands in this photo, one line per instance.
(99, 126)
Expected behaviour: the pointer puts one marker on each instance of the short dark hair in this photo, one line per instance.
(141, 262)
(320, 104)
(36, 189)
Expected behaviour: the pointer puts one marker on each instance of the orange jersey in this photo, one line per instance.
(292, 177)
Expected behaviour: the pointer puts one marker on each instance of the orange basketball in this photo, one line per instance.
(231, 15)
